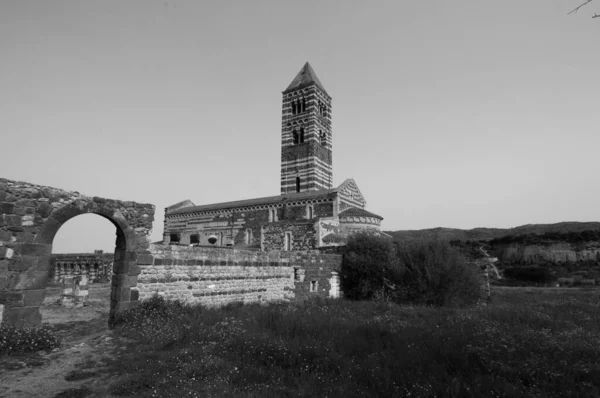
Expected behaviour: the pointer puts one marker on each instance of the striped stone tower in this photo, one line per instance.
(306, 141)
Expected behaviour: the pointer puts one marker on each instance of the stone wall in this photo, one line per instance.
(30, 217)
(303, 235)
(217, 276)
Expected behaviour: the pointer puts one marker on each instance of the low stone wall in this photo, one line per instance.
(214, 276)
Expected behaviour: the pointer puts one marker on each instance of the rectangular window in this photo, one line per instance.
(194, 239)
(287, 242)
(174, 238)
(309, 212)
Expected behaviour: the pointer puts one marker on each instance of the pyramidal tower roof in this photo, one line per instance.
(305, 78)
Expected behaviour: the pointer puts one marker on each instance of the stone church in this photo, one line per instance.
(310, 213)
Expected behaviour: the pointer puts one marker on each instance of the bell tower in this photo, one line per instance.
(306, 141)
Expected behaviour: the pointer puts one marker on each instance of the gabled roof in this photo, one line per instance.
(305, 78)
(181, 205)
(253, 202)
(356, 212)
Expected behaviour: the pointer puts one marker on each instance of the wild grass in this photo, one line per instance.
(525, 344)
(15, 340)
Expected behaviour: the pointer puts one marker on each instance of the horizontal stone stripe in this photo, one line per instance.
(303, 187)
(308, 178)
(303, 176)
(229, 292)
(147, 279)
(311, 158)
(292, 171)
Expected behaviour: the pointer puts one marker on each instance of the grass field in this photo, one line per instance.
(530, 342)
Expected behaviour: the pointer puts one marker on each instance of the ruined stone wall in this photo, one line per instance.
(96, 267)
(217, 276)
(30, 217)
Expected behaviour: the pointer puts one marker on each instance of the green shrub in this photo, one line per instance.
(369, 267)
(15, 340)
(437, 274)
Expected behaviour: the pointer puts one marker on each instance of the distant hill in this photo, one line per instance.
(491, 233)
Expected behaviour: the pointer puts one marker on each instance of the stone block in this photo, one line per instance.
(7, 208)
(25, 203)
(34, 249)
(23, 316)
(30, 280)
(12, 220)
(44, 210)
(2, 195)
(145, 259)
(33, 298)
(11, 298)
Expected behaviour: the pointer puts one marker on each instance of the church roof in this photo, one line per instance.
(305, 78)
(356, 212)
(267, 200)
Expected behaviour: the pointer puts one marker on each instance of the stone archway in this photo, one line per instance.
(30, 217)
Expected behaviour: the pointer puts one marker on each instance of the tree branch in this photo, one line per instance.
(577, 8)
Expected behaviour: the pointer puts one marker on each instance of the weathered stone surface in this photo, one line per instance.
(33, 297)
(7, 208)
(22, 316)
(29, 280)
(44, 210)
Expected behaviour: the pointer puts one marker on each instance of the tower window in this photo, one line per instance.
(297, 184)
(303, 104)
(296, 137)
(194, 239)
(323, 138)
(293, 108)
(301, 134)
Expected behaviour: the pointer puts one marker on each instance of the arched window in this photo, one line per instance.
(297, 184)
(323, 137)
(287, 241)
(248, 236)
(296, 136)
(303, 104)
(301, 134)
(293, 108)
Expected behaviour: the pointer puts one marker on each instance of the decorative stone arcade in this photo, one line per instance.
(30, 216)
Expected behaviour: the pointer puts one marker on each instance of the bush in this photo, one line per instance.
(437, 274)
(530, 274)
(369, 267)
(15, 340)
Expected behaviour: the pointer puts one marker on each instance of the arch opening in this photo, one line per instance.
(84, 250)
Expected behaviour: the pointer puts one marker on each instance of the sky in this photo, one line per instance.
(456, 114)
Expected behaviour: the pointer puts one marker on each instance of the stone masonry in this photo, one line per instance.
(30, 216)
(217, 276)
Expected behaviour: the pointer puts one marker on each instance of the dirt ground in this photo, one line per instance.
(78, 368)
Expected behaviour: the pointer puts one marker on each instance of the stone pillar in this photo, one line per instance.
(93, 273)
(67, 294)
(80, 293)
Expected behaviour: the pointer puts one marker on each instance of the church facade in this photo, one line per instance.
(310, 213)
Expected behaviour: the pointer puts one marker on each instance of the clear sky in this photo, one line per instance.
(460, 114)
